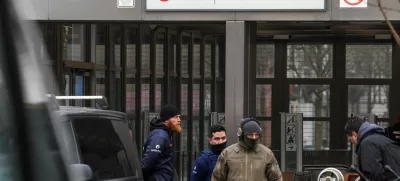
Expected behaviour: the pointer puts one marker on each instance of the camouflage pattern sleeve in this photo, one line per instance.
(220, 171)
(273, 172)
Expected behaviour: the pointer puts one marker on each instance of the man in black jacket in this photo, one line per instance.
(157, 159)
(374, 150)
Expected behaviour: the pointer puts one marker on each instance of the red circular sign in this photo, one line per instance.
(163, 0)
(353, 4)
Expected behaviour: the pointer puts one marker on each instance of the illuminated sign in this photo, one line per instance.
(235, 5)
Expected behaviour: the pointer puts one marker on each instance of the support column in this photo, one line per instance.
(237, 52)
(394, 91)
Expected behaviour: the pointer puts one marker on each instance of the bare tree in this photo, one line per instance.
(312, 61)
(367, 61)
(315, 61)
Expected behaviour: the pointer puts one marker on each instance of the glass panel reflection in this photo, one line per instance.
(363, 99)
(100, 83)
(309, 61)
(311, 100)
(74, 42)
(369, 61)
(316, 135)
(263, 100)
(266, 133)
(265, 58)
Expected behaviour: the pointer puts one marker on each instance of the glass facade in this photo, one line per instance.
(140, 68)
(327, 81)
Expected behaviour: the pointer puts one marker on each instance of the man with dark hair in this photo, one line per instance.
(157, 159)
(247, 160)
(204, 165)
(374, 149)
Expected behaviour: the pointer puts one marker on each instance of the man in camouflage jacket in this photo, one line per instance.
(247, 160)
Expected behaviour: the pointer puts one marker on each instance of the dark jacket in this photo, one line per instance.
(157, 159)
(204, 166)
(374, 151)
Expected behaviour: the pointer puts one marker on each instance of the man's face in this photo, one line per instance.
(174, 124)
(352, 138)
(217, 138)
(253, 135)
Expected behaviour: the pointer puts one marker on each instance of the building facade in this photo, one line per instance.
(317, 58)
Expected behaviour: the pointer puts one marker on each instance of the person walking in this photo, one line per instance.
(247, 160)
(205, 163)
(157, 159)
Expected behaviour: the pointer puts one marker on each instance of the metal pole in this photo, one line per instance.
(213, 118)
(299, 141)
(283, 141)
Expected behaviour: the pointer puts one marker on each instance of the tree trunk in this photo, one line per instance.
(318, 124)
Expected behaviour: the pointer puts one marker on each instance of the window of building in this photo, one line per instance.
(369, 61)
(74, 42)
(309, 61)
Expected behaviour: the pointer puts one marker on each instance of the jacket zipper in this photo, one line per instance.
(246, 168)
(241, 168)
(251, 170)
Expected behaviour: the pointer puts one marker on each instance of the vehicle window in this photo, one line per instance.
(102, 148)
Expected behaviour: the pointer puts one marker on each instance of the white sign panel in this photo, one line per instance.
(290, 132)
(353, 3)
(218, 5)
(126, 3)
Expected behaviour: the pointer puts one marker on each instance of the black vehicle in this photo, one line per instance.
(102, 140)
(29, 146)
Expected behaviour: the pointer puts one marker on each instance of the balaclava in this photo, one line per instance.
(250, 127)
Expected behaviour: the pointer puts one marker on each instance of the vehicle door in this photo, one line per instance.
(105, 145)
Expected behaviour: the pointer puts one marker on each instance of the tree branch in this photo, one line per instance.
(395, 35)
(385, 8)
(292, 66)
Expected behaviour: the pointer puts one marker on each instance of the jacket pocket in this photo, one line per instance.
(236, 169)
(257, 169)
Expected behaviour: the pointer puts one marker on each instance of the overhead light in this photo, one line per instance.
(281, 37)
(383, 36)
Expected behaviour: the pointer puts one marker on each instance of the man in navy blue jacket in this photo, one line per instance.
(157, 159)
(204, 165)
(374, 150)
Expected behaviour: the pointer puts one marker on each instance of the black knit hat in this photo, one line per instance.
(250, 127)
(168, 112)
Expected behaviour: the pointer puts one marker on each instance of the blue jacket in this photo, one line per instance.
(374, 151)
(204, 166)
(157, 159)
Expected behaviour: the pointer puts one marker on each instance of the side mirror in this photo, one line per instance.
(80, 172)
